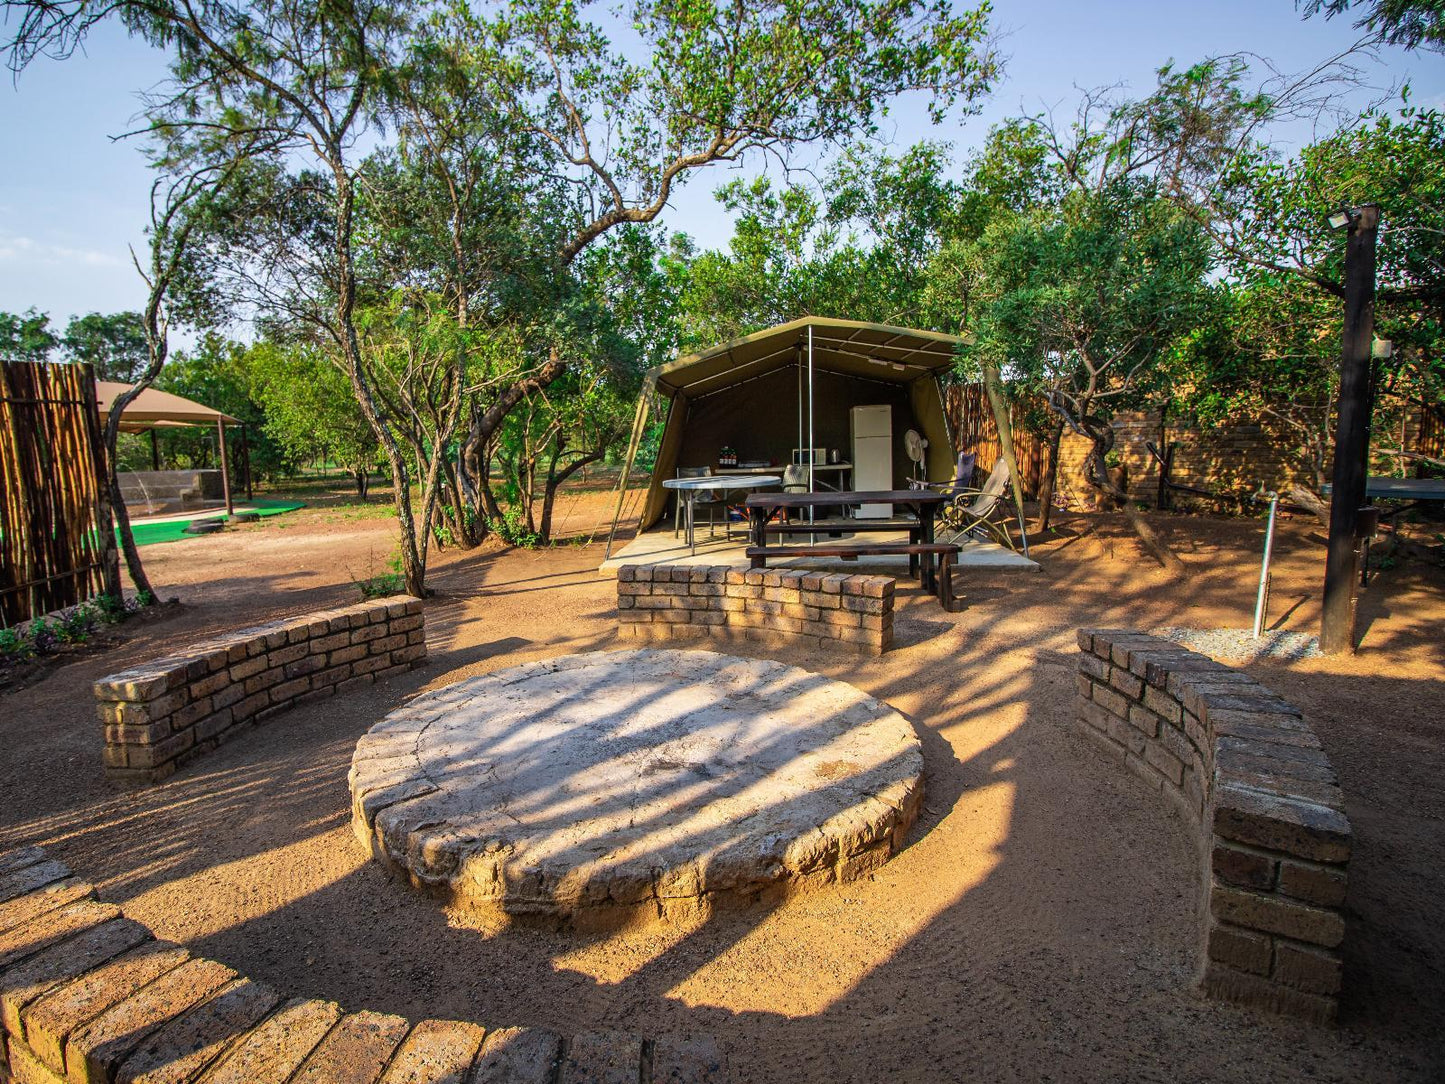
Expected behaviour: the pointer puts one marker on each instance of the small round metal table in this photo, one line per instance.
(689, 488)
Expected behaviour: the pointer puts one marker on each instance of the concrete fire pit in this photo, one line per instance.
(607, 787)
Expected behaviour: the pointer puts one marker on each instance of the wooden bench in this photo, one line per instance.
(945, 552)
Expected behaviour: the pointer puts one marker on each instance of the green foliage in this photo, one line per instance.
(1084, 301)
(1413, 24)
(69, 628)
(14, 645)
(219, 373)
(26, 337)
(381, 584)
(310, 412)
(115, 344)
(512, 529)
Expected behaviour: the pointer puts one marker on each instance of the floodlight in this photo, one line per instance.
(1340, 219)
(1382, 349)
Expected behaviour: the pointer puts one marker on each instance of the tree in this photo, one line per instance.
(1413, 24)
(26, 337)
(1273, 352)
(115, 344)
(716, 82)
(177, 282)
(309, 410)
(222, 374)
(1084, 305)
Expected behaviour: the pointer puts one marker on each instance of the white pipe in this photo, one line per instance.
(1261, 602)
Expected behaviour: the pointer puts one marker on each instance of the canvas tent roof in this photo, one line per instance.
(850, 347)
(154, 408)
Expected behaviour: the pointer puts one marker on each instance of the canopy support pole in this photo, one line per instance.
(225, 470)
(993, 388)
(155, 452)
(639, 423)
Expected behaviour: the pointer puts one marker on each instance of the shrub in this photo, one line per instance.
(380, 584)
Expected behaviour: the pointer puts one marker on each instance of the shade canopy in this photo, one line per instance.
(848, 347)
(155, 409)
(770, 392)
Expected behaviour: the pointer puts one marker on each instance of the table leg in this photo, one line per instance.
(691, 524)
(925, 524)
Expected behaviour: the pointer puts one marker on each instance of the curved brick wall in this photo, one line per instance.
(1245, 766)
(666, 602)
(164, 713)
(89, 997)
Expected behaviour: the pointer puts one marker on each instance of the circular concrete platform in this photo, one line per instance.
(618, 785)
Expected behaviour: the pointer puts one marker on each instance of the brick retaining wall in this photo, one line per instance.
(1245, 767)
(164, 713)
(665, 602)
(88, 996)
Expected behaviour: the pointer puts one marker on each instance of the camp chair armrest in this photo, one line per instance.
(970, 492)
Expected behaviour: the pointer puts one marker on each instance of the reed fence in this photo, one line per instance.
(974, 430)
(57, 538)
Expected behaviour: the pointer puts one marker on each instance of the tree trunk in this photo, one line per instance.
(413, 556)
(1097, 473)
(1051, 472)
(363, 483)
(128, 548)
(1305, 499)
(485, 423)
(555, 479)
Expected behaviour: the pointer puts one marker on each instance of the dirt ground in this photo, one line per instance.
(1041, 924)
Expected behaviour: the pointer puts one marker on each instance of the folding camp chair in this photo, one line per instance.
(976, 513)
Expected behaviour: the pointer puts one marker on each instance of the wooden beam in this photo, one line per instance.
(1352, 433)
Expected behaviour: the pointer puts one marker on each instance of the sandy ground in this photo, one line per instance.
(1039, 926)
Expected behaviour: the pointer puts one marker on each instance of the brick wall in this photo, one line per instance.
(666, 602)
(1246, 768)
(164, 713)
(88, 996)
(1226, 459)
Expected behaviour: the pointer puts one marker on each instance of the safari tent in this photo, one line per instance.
(794, 387)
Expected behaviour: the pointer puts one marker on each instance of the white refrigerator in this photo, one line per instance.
(872, 428)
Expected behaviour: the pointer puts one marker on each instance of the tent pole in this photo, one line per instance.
(639, 422)
(225, 470)
(155, 452)
(812, 481)
(993, 389)
(799, 367)
(812, 488)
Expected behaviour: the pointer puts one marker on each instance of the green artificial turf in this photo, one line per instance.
(149, 534)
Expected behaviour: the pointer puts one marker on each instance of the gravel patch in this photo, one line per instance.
(1242, 644)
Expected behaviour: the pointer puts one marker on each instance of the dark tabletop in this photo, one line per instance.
(812, 500)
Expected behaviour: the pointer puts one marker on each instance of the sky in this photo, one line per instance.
(73, 199)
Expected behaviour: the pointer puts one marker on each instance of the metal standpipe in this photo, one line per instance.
(1261, 602)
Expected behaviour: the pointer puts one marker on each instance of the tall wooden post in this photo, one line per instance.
(1352, 433)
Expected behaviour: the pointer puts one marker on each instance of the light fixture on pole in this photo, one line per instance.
(1340, 219)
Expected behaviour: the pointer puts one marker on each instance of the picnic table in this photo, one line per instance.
(1415, 490)
(923, 503)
